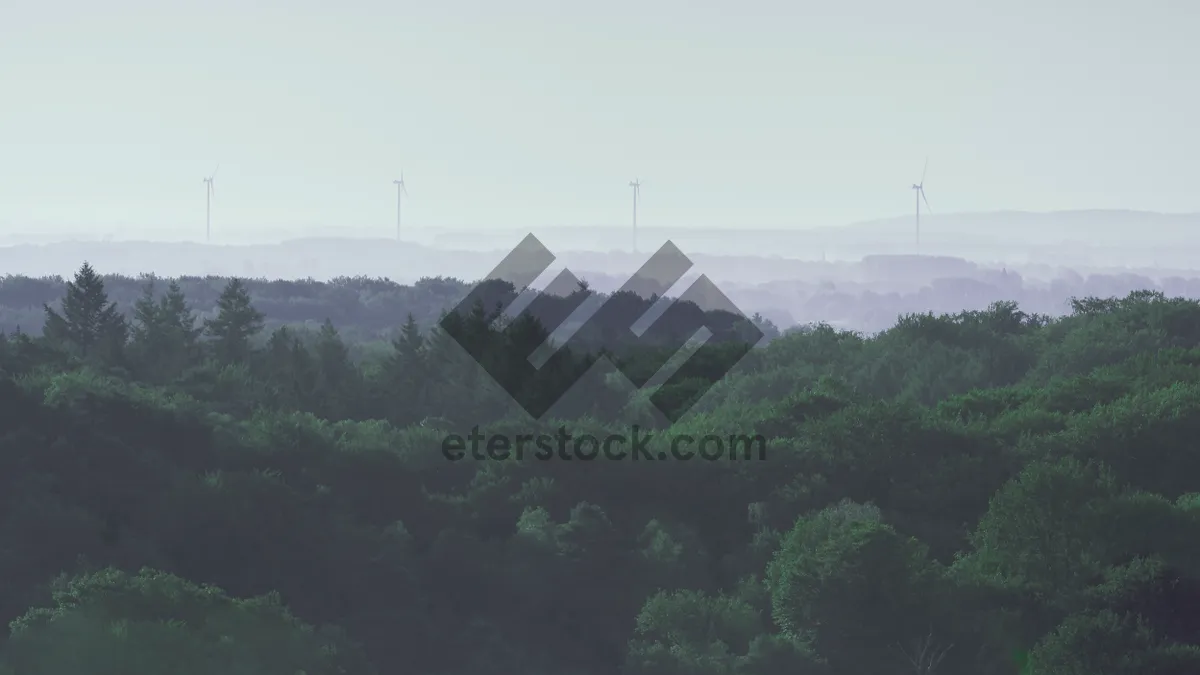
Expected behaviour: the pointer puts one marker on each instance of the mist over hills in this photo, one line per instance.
(1099, 226)
(1082, 238)
(1086, 238)
(860, 277)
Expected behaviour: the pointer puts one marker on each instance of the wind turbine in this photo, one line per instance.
(636, 184)
(400, 189)
(919, 190)
(209, 192)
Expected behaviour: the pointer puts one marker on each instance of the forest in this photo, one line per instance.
(991, 492)
(865, 296)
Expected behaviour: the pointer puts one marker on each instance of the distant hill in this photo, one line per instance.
(1097, 227)
(325, 259)
(1078, 239)
(1082, 237)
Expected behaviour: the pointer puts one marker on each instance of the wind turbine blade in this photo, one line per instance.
(214, 173)
(927, 206)
(924, 171)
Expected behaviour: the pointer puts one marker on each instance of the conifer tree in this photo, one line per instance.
(237, 321)
(406, 374)
(406, 360)
(279, 351)
(333, 357)
(89, 324)
(164, 332)
(336, 373)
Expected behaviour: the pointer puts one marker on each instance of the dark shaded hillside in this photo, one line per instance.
(983, 493)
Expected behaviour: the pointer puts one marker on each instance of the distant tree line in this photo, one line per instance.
(367, 310)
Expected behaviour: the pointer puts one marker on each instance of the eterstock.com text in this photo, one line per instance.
(564, 446)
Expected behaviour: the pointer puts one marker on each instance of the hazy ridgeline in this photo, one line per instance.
(979, 493)
(867, 296)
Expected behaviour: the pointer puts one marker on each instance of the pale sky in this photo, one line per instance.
(536, 113)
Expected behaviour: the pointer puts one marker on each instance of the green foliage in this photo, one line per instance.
(236, 322)
(691, 632)
(164, 334)
(109, 622)
(1107, 642)
(851, 585)
(934, 500)
(89, 323)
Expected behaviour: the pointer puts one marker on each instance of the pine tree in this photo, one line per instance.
(173, 307)
(407, 359)
(335, 372)
(145, 317)
(89, 324)
(287, 370)
(406, 374)
(333, 356)
(279, 352)
(237, 321)
(303, 373)
(164, 333)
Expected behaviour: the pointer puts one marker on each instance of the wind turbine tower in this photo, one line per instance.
(400, 189)
(919, 193)
(636, 184)
(209, 192)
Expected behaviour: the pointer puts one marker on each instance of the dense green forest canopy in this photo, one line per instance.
(983, 493)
